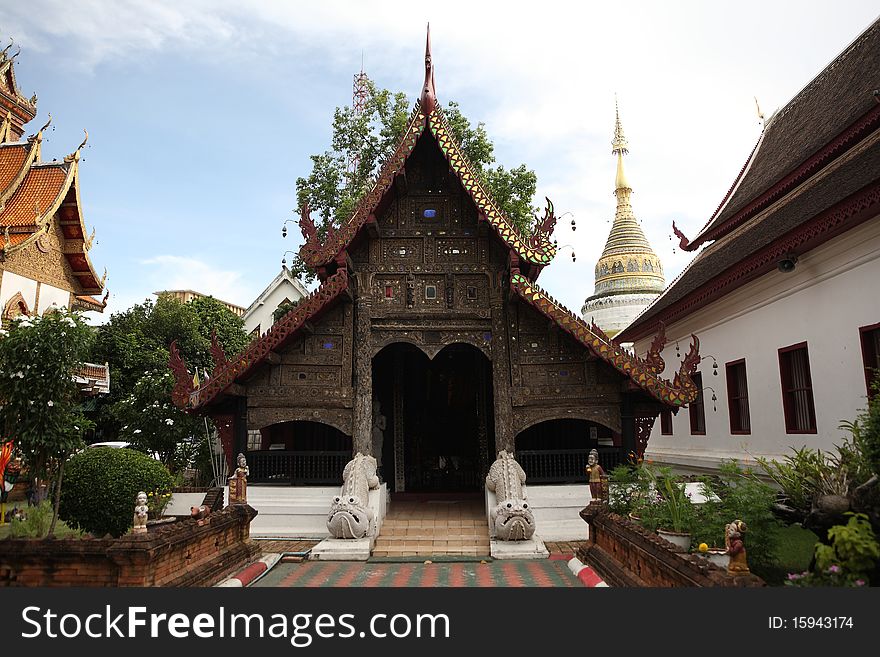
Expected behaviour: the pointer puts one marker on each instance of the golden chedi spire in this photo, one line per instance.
(628, 273)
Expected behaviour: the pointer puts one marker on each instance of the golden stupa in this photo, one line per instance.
(629, 275)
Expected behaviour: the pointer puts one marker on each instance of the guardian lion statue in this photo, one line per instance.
(350, 515)
(512, 519)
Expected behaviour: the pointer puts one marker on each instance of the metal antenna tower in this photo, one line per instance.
(358, 104)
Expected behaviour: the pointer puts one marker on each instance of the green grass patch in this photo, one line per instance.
(794, 551)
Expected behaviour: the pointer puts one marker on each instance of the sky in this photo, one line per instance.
(201, 115)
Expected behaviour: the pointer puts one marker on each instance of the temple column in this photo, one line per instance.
(362, 438)
(501, 380)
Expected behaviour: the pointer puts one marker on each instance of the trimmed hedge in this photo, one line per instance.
(100, 486)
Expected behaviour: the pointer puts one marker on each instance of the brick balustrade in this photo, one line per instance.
(626, 554)
(181, 553)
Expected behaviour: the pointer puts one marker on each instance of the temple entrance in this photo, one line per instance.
(437, 416)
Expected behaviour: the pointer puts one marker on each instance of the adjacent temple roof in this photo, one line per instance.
(812, 175)
(537, 250)
(36, 194)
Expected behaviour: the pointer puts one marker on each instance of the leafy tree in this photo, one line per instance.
(283, 308)
(332, 193)
(39, 400)
(136, 342)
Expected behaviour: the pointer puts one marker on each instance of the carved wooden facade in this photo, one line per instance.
(428, 260)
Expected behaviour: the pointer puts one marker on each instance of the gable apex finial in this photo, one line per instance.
(428, 98)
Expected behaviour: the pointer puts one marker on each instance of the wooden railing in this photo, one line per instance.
(564, 466)
(297, 468)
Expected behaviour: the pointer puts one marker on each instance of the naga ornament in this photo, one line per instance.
(512, 519)
(350, 515)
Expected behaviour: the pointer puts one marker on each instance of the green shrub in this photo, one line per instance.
(848, 561)
(741, 496)
(35, 523)
(100, 487)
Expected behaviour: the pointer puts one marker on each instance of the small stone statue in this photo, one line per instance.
(140, 514)
(733, 541)
(200, 513)
(596, 476)
(238, 482)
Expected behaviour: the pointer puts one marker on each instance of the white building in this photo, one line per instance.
(783, 292)
(285, 287)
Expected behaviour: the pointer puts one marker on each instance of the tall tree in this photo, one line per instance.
(135, 343)
(370, 136)
(39, 401)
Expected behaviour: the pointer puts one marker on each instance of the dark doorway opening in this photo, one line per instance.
(439, 434)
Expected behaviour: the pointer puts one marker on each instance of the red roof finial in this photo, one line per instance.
(429, 94)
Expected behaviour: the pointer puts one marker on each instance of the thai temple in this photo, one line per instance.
(629, 275)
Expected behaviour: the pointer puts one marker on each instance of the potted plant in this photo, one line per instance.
(671, 511)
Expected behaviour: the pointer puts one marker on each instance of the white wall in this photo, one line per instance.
(834, 290)
(261, 313)
(50, 296)
(12, 283)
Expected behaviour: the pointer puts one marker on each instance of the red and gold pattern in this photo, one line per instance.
(643, 373)
(185, 395)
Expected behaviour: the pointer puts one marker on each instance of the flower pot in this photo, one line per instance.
(719, 557)
(681, 541)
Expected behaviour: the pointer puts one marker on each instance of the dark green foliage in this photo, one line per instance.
(283, 308)
(101, 484)
(39, 401)
(136, 343)
(741, 496)
(849, 560)
(333, 193)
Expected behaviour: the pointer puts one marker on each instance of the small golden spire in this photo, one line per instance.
(619, 144)
(619, 147)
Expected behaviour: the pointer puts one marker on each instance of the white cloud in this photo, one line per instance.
(170, 272)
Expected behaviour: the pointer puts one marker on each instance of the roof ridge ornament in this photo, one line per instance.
(428, 100)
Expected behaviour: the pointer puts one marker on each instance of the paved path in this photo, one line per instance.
(543, 572)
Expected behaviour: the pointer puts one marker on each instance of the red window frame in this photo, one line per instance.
(868, 337)
(738, 397)
(697, 408)
(790, 390)
(666, 422)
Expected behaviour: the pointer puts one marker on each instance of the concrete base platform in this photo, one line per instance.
(343, 549)
(533, 548)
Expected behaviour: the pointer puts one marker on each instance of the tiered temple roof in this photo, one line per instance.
(37, 197)
(812, 175)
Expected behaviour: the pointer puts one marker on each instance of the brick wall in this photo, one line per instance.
(626, 554)
(182, 553)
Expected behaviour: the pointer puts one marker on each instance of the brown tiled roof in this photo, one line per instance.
(36, 194)
(12, 159)
(832, 102)
(855, 179)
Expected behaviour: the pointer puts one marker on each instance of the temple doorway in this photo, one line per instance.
(437, 414)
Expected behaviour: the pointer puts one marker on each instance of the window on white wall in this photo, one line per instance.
(870, 338)
(696, 409)
(666, 422)
(797, 389)
(738, 397)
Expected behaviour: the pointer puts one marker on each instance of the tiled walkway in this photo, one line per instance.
(453, 527)
(542, 573)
